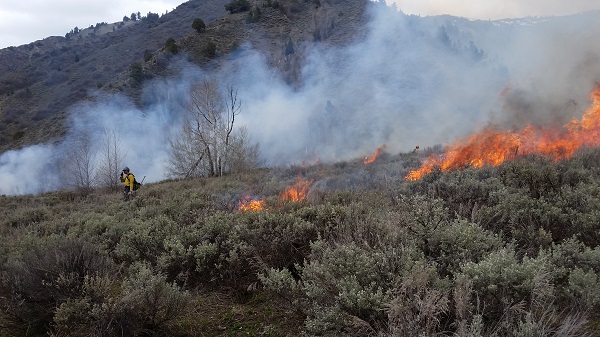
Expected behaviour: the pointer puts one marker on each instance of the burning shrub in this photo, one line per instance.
(249, 204)
(370, 159)
(297, 192)
(492, 147)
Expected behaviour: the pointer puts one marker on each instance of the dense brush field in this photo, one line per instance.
(499, 251)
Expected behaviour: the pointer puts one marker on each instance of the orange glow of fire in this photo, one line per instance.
(251, 205)
(296, 192)
(371, 159)
(493, 147)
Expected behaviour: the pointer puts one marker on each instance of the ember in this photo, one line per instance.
(493, 147)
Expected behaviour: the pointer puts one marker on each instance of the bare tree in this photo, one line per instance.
(204, 145)
(233, 107)
(111, 160)
(78, 166)
(185, 157)
(243, 155)
(206, 109)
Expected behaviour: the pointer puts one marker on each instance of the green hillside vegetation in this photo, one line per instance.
(499, 251)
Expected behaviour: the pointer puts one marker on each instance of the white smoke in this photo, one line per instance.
(410, 81)
(21, 172)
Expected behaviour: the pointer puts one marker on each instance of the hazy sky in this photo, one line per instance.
(495, 9)
(26, 21)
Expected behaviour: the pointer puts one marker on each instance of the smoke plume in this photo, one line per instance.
(411, 81)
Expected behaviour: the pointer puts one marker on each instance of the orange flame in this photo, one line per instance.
(249, 204)
(493, 147)
(297, 192)
(371, 159)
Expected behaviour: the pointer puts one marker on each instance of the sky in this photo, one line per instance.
(25, 21)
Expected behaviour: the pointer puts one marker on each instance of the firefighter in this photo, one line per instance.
(128, 179)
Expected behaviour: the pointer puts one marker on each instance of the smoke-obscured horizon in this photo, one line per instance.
(412, 81)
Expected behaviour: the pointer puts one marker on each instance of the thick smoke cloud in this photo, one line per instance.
(17, 169)
(553, 66)
(411, 81)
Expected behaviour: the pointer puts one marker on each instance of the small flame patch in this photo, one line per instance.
(297, 192)
(251, 205)
(371, 159)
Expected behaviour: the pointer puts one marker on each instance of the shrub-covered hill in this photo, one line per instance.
(500, 251)
(42, 81)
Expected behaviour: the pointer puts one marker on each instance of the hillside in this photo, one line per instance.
(342, 77)
(42, 80)
(358, 223)
(498, 251)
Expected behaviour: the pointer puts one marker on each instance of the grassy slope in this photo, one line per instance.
(530, 202)
(216, 310)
